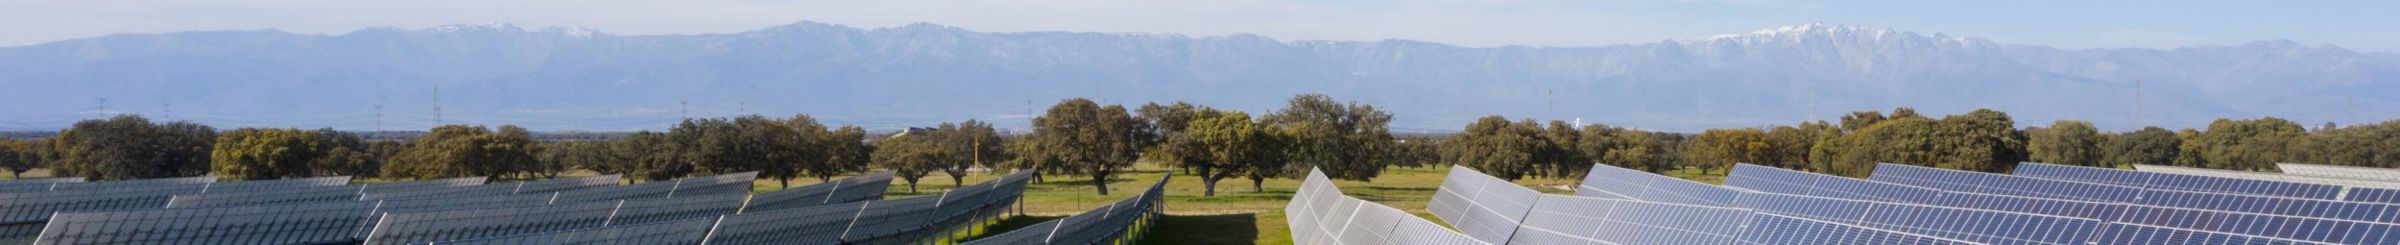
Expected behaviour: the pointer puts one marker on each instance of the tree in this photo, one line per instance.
(131, 147)
(1625, 148)
(1721, 148)
(2067, 142)
(1500, 148)
(651, 156)
(1346, 140)
(459, 151)
(1230, 144)
(1981, 140)
(2368, 145)
(345, 154)
(967, 145)
(2242, 144)
(261, 154)
(847, 151)
(1084, 138)
(1417, 151)
(2151, 145)
(801, 146)
(1170, 123)
(909, 156)
(1557, 152)
(18, 157)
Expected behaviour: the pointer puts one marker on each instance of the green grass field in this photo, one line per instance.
(1236, 215)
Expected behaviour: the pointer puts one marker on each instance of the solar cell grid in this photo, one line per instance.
(421, 184)
(441, 192)
(1320, 214)
(37, 206)
(1977, 182)
(2264, 176)
(120, 185)
(1610, 181)
(564, 184)
(2184, 182)
(1778, 229)
(1776, 180)
(806, 225)
(2265, 225)
(838, 191)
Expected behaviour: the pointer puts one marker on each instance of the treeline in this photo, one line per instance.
(1981, 140)
(1075, 137)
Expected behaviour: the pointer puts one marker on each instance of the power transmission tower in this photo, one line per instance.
(2137, 102)
(743, 106)
(437, 106)
(102, 105)
(378, 118)
(166, 111)
(687, 109)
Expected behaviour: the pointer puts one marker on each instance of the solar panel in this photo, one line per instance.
(2142, 234)
(404, 228)
(441, 192)
(2343, 172)
(736, 183)
(2265, 225)
(35, 185)
(280, 184)
(1777, 180)
(1484, 207)
(421, 184)
(678, 232)
(286, 195)
(1614, 182)
(37, 206)
(637, 211)
(1112, 223)
(1320, 214)
(133, 184)
(2263, 176)
(275, 224)
(564, 184)
(1768, 228)
(892, 221)
(44, 180)
(838, 191)
(391, 206)
(2182, 182)
(1987, 183)
(1587, 220)
(806, 225)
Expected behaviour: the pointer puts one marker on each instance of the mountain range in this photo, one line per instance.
(923, 74)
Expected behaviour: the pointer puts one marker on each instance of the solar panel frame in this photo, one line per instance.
(132, 184)
(564, 184)
(676, 232)
(271, 185)
(822, 193)
(404, 228)
(640, 211)
(421, 184)
(2340, 172)
(287, 195)
(38, 206)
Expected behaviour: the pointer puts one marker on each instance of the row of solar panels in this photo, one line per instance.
(1121, 222)
(1990, 208)
(394, 221)
(1492, 210)
(1320, 214)
(24, 211)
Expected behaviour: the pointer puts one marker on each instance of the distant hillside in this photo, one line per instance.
(917, 75)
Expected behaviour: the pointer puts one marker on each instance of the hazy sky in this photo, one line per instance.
(2359, 25)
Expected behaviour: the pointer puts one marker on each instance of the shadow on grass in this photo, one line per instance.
(1239, 228)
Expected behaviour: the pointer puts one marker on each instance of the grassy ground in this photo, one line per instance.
(1236, 215)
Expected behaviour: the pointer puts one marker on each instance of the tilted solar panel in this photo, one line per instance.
(286, 195)
(1767, 228)
(441, 192)
(2120, 233)
(44, 180)
(1776, 180)
(2337, 171)
(272, 224)
(564, 184)
(1612, 181)
(421, 184)
(638, 211)
(37, 206)
(678, 232)
(1320, 214)
(1116, 222)
(133, 184)
(268, 185)
(2265, 225)
(404, 228)
(891, 219)
(1484, 207)
(421, 205)
(1585, 220)
(734, 183)
(806, 225)
(657, 189)
(2182, 182)
(1987, 183)
(907, 220)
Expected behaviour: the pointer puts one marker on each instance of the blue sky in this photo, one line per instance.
(2358, 25)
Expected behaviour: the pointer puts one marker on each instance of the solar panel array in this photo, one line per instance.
(1121, 222)
(1320, 214)
(33, 185)
(276, 224)
(1611, 218)
(894, 221)
(853, 189)
(318, 210)
(2356, 190)
(2156, 212)
(2181, 182)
